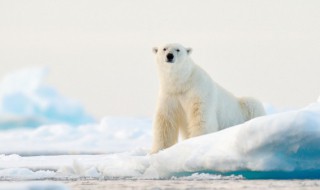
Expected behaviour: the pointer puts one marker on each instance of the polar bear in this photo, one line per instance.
(190, 102)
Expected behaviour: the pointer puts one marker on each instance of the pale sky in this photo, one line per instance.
(100, 52)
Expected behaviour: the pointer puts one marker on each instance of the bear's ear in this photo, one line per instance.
(189, 50)
(155, 50)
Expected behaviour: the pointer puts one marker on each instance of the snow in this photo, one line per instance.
(196, 184)
(286, 142)
(283, 145)
(112, 134)
(32, 186)
(47, 136)
(205, 176)
(25, 174)
(27, 101)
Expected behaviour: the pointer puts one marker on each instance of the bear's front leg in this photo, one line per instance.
(200, 119)
(165, 125)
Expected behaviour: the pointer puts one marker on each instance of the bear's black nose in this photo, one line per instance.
(170, 56)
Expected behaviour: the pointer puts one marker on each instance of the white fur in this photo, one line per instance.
(191, 103)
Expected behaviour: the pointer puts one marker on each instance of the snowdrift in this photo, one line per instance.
(278, 146)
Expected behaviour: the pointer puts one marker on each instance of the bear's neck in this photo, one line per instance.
(177, 80)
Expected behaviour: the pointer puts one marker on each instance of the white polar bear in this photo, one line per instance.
(190, 102)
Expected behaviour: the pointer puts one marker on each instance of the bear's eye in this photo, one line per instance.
(178, 50)
(164, 49)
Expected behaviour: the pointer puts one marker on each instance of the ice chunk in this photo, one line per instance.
(25, 174)
(26, 101)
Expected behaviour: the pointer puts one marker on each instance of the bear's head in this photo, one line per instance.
(171, 53)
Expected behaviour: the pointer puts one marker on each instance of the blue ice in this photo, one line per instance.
(27, 101)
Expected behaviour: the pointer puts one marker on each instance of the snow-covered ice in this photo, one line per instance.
(284, 145)
(27, 101)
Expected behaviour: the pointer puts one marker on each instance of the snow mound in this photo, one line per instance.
(26, 101)
(278, 146)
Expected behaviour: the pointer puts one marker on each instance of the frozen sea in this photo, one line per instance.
(204, 184)
(162, 184)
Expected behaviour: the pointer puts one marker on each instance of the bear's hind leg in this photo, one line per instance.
(251, 107)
